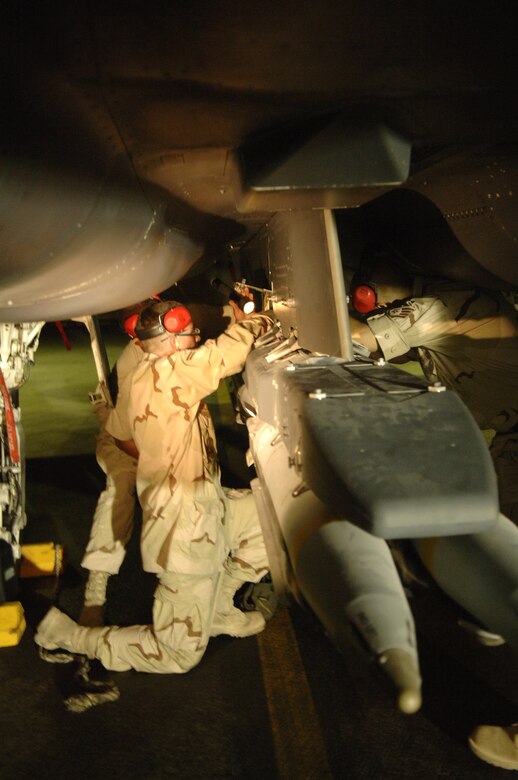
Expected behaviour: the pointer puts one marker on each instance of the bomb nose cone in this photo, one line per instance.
(402, 670)
(410, 701)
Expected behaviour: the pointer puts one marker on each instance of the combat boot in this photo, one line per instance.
(230, 620)
(497, 745)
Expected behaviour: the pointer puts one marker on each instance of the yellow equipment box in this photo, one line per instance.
(41, 560)
(12, 623)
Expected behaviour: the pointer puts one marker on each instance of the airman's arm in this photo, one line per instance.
(361, 332)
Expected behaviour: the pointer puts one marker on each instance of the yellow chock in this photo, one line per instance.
(41, 560)
(12, 623)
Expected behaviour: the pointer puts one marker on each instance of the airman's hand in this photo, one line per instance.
(238, 314)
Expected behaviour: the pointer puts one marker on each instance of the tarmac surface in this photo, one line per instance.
(281, 705)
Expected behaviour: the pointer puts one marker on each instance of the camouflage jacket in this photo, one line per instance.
(161, 407)
(466, 339)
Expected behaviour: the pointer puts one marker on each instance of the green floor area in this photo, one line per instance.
(56, 413)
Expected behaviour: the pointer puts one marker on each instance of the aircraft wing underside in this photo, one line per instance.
(138, 142)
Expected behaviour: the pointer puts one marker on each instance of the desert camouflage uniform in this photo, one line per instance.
(468, 340)
(193, 532)
(112, 524)
(113, 518)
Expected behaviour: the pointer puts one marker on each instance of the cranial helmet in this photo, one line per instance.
(162, 317)
(128, 317)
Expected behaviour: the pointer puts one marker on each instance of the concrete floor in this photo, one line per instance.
(280, 705)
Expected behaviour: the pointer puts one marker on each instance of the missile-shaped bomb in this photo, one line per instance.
(480, 572)
(344, 572)
(349, 454)
(346, 575)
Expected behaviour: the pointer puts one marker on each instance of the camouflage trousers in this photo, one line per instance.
(112, 524)
(184, 604)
